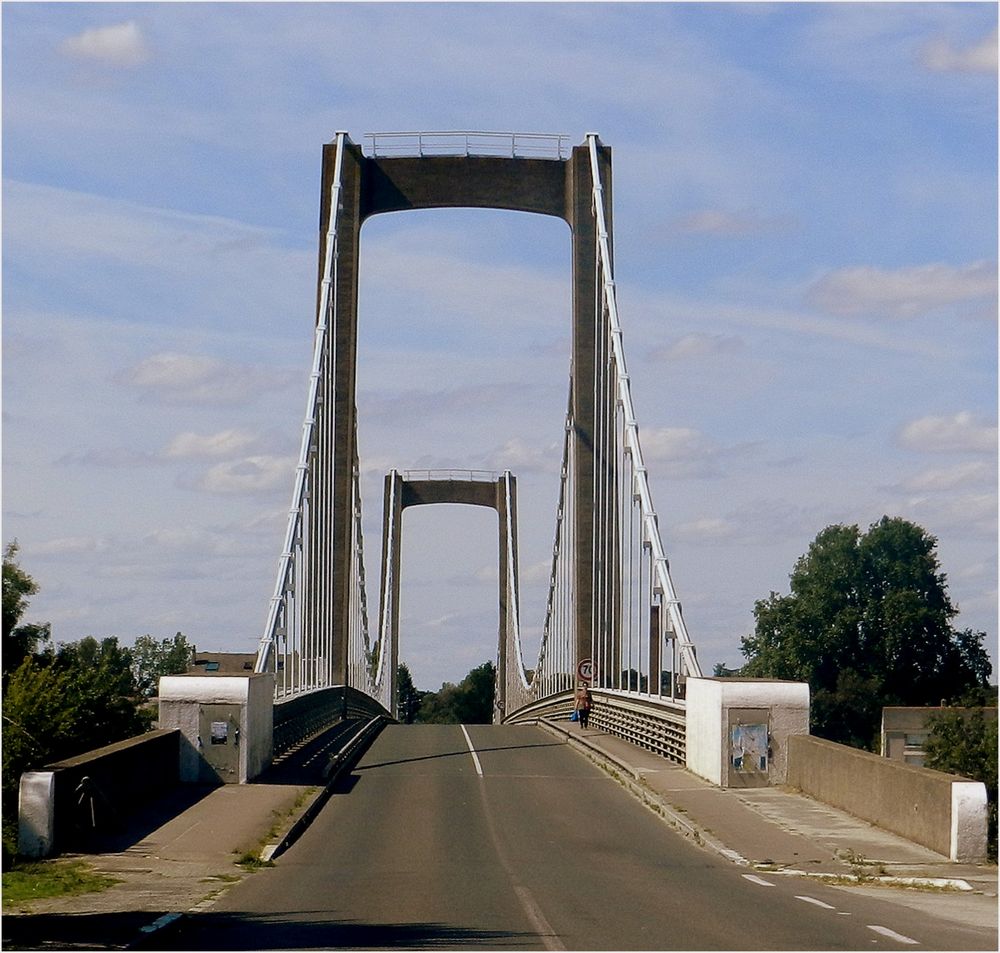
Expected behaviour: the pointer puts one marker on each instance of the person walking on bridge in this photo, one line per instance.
(582, 705)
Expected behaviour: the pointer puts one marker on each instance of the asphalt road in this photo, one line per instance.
(505, 838)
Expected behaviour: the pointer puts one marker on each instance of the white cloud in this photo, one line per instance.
(119, 45)
(226, 443)
(679, 451)
(71, 546)
(949, 478)
(711, 221)
(255, 474)
(518, 456)
(195, 540)
(961, 433)
(699, 345)
(708, 529)
(197, 378)
(970, 514)
(943, 56)
(114, 458)
(903, 292)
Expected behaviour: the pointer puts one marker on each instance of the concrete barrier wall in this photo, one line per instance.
(941, 811)
(65, 802)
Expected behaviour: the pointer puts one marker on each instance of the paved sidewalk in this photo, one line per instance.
(774, 828)
(171, 869)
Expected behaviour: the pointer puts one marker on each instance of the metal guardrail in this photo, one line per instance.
(302, 716)
(513, 145)
(656, 726)
(341, 761)
(483, 476)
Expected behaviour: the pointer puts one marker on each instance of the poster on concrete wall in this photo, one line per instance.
(748, 747)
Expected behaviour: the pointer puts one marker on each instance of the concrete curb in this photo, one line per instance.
(634, 784)
(338, 763)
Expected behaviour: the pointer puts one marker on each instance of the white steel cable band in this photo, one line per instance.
(295, 511)
(651, 530)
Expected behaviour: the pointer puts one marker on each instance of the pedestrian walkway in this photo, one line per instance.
(773, 828)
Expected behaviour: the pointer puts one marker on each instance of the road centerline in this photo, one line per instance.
(472, 751)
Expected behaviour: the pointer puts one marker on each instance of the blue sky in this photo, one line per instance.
(805, 238)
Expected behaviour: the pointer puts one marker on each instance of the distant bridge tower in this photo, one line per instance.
(369, 185)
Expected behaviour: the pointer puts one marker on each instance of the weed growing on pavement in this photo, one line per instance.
(51, 878)
(252, 861)
(853, 880)
(861, 867)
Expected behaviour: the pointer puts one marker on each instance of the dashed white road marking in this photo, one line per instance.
(893, 935)
(475, 757)
(753, 878)
(818, 903)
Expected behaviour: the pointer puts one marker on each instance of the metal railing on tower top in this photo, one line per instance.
(511, 145)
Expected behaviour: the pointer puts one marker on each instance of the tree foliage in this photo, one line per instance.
(964, 741)
(19, 639)
(407, 696)
(58, 702)
(151, 659)
(867, 623)
(470, 702)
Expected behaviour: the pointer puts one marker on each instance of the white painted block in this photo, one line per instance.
(968, 821)
(36, 810)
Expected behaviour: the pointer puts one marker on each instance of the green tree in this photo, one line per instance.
(867, 623)
(407, 696)
(152, 659)
(19, 639)
(62, 703)
(469, 703)
(964, 741)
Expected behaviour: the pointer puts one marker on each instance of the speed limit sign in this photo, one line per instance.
(585, 670)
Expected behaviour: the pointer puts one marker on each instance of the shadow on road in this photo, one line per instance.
(81, 931)
(235, 931)
(463, 753)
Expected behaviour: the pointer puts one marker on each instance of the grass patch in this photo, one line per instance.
(280, 824)
(252, 861)
(53, 878)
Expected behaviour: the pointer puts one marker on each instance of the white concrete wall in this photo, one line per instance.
(258, 749)
(705, 748)
(709, 701)
(181, 697)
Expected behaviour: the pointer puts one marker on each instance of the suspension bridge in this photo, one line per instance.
(498, 835)
(612, 618)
